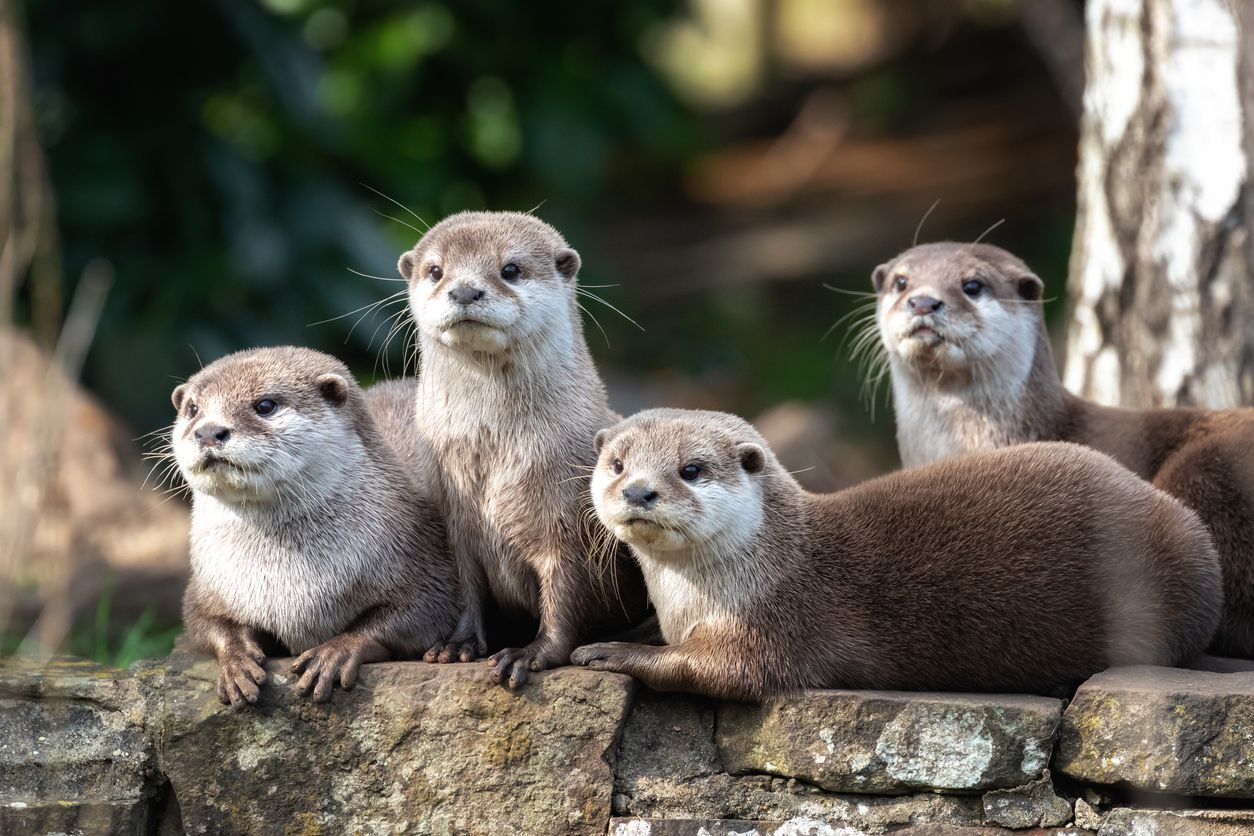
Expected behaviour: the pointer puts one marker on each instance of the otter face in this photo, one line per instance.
(262, 426)
(949, 306)
(483, 282)
(671, 481)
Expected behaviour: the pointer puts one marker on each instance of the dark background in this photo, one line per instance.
(717, 163)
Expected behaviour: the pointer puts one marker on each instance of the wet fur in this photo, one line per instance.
(1016, 570)
(993, 399)
(508, 409)
(328, 549)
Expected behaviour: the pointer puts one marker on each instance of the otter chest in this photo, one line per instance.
(504, 499)
(684, 597)
(300, 589)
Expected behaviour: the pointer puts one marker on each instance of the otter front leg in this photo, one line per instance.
(695, 666)
(470, 640)
(237, 649)
(562, 604)
(366, 640)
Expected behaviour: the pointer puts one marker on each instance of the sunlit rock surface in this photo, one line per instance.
(1162, 730)
(423, 749)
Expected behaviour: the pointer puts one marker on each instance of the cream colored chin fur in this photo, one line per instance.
(965, 393)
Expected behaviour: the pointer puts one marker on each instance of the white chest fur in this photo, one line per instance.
(935, 423)
(688, 592)
(289, 582)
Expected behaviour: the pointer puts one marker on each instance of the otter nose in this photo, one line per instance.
(921, 305)
(463, 295)
(212, 435)
(639, 496)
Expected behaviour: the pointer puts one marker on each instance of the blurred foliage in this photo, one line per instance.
(215, 152)
(100, 639)
(224, 156)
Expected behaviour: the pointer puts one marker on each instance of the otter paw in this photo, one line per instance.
(240, 677)
(455, 651)
(602, 656)
(511, 665)
(339, 659)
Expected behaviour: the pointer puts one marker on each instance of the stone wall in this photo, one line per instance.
(426, 749)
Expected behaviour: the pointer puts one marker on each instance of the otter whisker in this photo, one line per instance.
(582, 292)
(857, 310)
(597, 322)
(854, 338)
(377, 278)
(397, 220)
(834, 289)
(915, 241)
(987, 231)
(398, 203)
(377, 310)
(393, 297)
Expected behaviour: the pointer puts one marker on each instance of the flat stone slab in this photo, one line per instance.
(1163, 730)
(75, 753)
(438, 748)
(1125, 821)
(892, 742)
(803, 826)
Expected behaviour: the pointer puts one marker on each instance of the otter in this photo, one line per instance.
(1023, 569)
(508, 401)
(972, 369)
(308, 537)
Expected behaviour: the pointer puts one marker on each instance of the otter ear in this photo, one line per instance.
(1030, 287)
(598, 442)
(407, 264)
(752, 457)
(334, 388)
(177, 396)
(567, 263)
(878, 277)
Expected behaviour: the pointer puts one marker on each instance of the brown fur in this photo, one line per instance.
(1018, 570)
(360, 550)
(508, 412)
(1203, 457)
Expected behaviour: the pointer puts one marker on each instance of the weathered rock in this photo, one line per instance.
(892, 742)
(1125, 821)
(1164, 730)
(1086, 815)
(668, 767)
(1032, 805)
(801, 826)
(413, 748)
(75, 755)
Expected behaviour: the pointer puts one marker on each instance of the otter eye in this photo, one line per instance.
(690, 472)
(192, 409)
(972, 287)
(436, 273)
(900, 283)
(510, 272)
(617, 466)
(265, 406)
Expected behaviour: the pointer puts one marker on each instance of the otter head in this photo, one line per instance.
(671, 481)
(266, 425)
(948, 307)
(485, 282)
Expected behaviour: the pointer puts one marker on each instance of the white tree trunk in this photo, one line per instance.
(1162, 271)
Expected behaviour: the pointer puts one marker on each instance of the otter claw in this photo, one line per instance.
(453, 651)
(240, 677)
